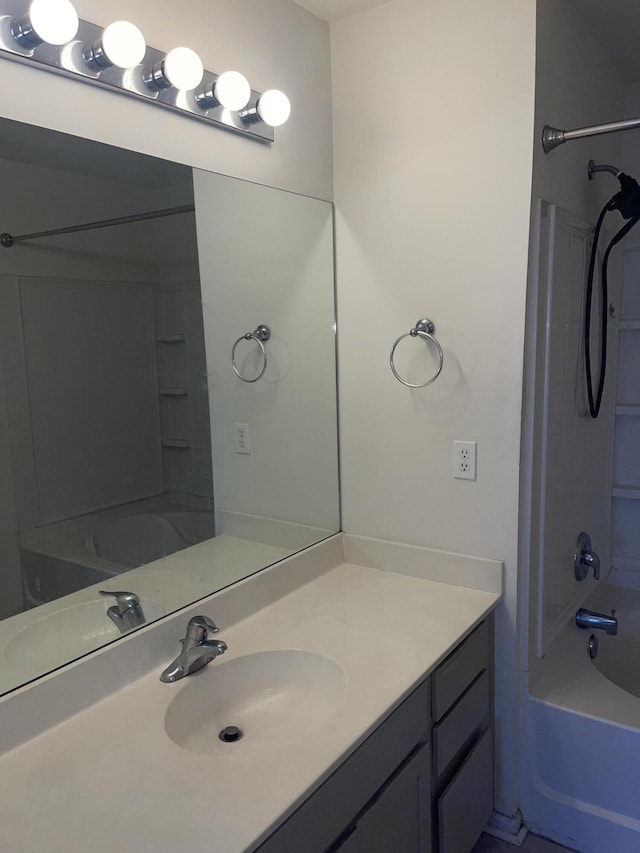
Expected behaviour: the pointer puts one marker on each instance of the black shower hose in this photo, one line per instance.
(595, 404)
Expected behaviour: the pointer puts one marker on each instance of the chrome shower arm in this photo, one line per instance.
(603, 167)
(553, 136)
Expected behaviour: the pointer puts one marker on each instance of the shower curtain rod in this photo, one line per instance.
(7, 240)
(552, 136)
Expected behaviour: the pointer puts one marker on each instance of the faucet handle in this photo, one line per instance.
(198, 628)
(124, 600)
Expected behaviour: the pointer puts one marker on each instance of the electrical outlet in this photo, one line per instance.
(464, 460)
(243, 438)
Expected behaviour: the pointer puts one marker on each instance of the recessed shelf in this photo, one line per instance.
(629, 325)
(631, 410)
(631, 493)
(171, 339)
(176, 443)
(175, 391)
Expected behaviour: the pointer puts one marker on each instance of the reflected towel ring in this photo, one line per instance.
(423, 329)
(260, 336)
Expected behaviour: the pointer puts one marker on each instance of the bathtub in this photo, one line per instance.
(581, 777)
(67, 556)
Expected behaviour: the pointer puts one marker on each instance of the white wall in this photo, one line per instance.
(276, 43)
(433, 121)
(285, 282)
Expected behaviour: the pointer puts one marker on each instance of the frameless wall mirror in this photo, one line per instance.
(156, 444)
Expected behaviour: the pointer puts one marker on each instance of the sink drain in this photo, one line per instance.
(230, 734)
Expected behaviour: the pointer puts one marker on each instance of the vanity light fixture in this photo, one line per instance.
(121, 44)
(181, 68)
(273, 108)
(231, 90)
(51, 21)
(48, 34)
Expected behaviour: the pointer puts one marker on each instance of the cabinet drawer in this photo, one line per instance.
(455, 729)
(457, 672)
(466, 803)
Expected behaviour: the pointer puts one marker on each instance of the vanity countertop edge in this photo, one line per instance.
(109, 777)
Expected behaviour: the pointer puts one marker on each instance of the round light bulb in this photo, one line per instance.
(123, 44)
(232, 90)
(54, 21)
(183, 68)
(274, 108)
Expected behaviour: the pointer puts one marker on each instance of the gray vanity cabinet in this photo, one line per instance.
(422, 782)
(398, 819)
(462, 747)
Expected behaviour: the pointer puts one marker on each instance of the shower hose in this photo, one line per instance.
(627, 202)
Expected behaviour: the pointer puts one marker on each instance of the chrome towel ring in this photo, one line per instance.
(423, 329)
(260, 336)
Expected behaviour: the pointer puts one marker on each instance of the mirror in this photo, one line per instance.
(154, 438)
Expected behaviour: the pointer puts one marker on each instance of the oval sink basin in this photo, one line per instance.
(270, 696)
(57, 638)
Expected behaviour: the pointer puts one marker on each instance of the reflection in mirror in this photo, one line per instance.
(132, 456)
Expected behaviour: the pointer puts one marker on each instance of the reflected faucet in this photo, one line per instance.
(197, 649)
(127, 612)
(589, 619)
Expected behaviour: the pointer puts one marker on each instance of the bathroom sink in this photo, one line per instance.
(64, 635)
(271, 696)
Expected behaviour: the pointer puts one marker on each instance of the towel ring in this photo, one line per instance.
(423, 329)
(260, 336)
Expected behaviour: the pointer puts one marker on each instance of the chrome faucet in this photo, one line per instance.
(197, 649)
(589, 619)
(127, 612)
(585, 558)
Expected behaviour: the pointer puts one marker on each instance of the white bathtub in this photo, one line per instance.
(582, 730)
(62, 558)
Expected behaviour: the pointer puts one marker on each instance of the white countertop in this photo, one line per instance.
(109, 778)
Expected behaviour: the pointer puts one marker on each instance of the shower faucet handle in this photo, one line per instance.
(585, 558)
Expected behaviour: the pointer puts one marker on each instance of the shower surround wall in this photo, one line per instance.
(568, 457)
(625, 518)
(98, 290)
(594, 95)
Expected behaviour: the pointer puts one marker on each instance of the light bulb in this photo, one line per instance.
(232, 90)
(274, 108)
(183, 68)
(52, 21)
(122, 44)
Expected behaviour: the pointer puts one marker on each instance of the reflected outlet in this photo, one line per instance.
(243, 438)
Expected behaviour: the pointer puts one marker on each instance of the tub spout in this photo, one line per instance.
(589, 619)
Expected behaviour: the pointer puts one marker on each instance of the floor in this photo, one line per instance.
(532, 844)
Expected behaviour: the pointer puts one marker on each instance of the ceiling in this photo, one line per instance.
(333, 10)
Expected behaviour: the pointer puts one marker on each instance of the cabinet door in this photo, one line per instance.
(464, 807)
(399, 819)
